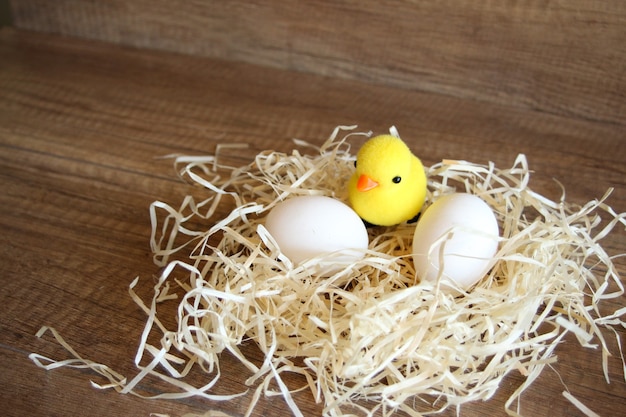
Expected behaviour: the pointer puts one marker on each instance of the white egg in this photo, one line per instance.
(310, 226)
(464, 229)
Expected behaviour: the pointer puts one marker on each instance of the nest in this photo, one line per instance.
(371, 330)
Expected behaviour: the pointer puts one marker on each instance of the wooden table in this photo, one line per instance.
(82, 127)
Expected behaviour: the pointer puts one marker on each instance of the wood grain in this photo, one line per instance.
(562, 57)
(82, 128)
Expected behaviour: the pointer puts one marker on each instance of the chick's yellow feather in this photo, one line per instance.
(389, 182)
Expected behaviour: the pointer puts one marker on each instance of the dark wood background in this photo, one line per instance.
(563, 57)
(93, 93)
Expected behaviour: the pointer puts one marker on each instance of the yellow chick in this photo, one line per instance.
(389, 183)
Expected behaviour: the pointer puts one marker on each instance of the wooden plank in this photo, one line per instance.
(82, 127)
(560, 57)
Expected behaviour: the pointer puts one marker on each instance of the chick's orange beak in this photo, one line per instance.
(365, 183)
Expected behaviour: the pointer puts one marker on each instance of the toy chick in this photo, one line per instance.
(388, 186)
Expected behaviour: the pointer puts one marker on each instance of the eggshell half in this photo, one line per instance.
(467, 229)
(310, 226)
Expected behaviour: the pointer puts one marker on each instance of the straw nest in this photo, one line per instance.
(372, 330)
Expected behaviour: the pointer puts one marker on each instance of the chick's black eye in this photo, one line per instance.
(355, 163)
(396, 179)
